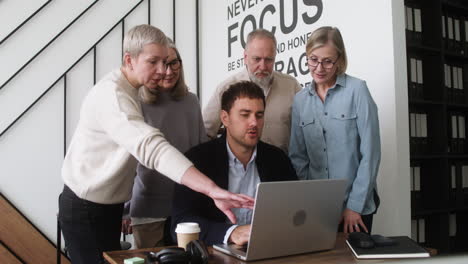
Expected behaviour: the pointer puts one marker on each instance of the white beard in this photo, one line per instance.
(264, 83)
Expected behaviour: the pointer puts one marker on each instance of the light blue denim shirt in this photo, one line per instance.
(245, 181)
(338, 139)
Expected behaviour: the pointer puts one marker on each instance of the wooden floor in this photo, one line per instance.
(21, 242)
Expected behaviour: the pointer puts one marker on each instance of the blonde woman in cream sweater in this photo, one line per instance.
(110, 139)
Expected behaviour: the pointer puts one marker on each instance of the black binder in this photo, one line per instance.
(405, 248)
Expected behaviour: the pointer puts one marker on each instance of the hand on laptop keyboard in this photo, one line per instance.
(240, 235)
(242, 248)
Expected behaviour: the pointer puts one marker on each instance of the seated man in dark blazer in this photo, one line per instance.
(237, 161)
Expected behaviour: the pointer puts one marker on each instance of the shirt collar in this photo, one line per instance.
(233, 159)
(340, 82)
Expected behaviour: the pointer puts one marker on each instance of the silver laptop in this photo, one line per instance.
(292, 217)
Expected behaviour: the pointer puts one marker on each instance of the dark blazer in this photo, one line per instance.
(211, 158)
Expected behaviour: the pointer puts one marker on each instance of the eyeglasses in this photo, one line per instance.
(174, 64)
(326, 63)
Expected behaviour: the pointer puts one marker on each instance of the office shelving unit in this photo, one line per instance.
(437, 54)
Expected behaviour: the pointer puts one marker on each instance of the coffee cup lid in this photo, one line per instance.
(187, 228)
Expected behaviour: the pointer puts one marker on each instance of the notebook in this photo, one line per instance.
(405, 248)
(292, 217)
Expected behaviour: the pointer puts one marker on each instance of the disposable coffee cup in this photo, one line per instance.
(187, 232)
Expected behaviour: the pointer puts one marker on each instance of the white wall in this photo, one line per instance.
(14, 12)
(373, 32)
(213, 47)
(31, 152)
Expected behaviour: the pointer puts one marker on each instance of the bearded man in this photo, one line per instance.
(279, 90)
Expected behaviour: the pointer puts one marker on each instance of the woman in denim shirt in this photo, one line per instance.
(335, 129)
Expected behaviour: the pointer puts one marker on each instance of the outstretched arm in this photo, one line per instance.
(223, 199)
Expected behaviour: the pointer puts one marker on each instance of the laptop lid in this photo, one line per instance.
(294, 217)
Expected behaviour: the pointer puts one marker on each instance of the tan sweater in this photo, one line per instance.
(110, 138)
(277, 127)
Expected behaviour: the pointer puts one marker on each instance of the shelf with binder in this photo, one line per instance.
(456, 80)
(418, 229)
(427, 178)
(413, 24)
(458, 231)
(462, 187)
(458, 170)
(423, 76)
(458, 217)
(431, 231)
(457, 140)
(453, 31)
(419, 24)
(453, 229)
(415, 183)
(437, 63)
(426, 135)
(465, 195)
(465, 42)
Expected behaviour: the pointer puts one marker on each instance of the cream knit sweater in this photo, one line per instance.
(111, 136)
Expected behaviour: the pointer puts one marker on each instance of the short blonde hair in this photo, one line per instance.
(139, 36)
(321, 36)
(179, 90)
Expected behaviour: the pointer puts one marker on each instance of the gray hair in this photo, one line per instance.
(139, 36)
(260, 33)
(178, 91)
(323, 35)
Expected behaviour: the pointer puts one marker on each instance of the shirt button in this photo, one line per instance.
(326, 113)
(342, 116)
(324, 131)
(326, 169)
(324, 149)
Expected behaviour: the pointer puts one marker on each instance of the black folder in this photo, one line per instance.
(404, 248)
